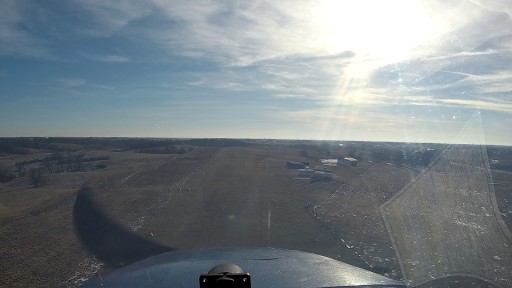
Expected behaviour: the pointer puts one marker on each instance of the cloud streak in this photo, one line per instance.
(15, 38)
(109, 58)
(364, 60)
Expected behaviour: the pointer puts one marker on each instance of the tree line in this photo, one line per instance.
(21, 145)
(58, 162)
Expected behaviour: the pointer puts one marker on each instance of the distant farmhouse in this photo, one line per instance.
(348, 161)
(303, 171)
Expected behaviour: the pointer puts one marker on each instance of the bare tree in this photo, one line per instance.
(78, 162)
(48, 163)
(59, 163)
(60, 160)
(36, 176)
(5, 174)
(69, 161)
(20, 169)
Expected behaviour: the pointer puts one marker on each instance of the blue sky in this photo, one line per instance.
(414, 71)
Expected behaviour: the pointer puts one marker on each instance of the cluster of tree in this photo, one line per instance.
(56, 163)
(59, 162)
(409, 154)
(214, 142)
(166, 150)
(331, 149)
(424, 154)
(68, 162)
(8, 149)
(5, 174)
(20, 145)
(36, 176)
(141, 143)
(504, 152)
(20, 170)
(137, 143)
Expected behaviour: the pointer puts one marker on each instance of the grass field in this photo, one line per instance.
(206, 198)
(352, 210)
(447, 222)
(209, 197)
(245, 197)
(38, 244)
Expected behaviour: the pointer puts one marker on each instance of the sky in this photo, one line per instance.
(405, 71)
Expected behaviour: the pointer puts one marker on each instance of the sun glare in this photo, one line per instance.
(379, 33)
(384, 30)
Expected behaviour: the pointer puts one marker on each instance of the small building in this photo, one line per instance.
(320, 176)
(348, 161)
(329, 162)
(295, 165)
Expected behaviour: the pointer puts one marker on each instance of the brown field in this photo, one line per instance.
(446, 222)
(38, 244)
(210, 197)
(502, 182)
(245, 197)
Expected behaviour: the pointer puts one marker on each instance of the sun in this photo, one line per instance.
(378, 33)
(385, 30)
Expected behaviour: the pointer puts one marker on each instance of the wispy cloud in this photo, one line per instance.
(479, 104)
(230, 86)
(105, 18)
(349, 62)
(109, 58)
(267, 35)
(15, 39)
(69, 82)
(108, 87)
(226, 81)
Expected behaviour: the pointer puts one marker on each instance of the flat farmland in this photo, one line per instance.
(352, 211)
(447, 221)
(38, 244)
(209, 197)
(245, 197)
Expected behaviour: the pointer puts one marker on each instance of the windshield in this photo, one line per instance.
(376, 133)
